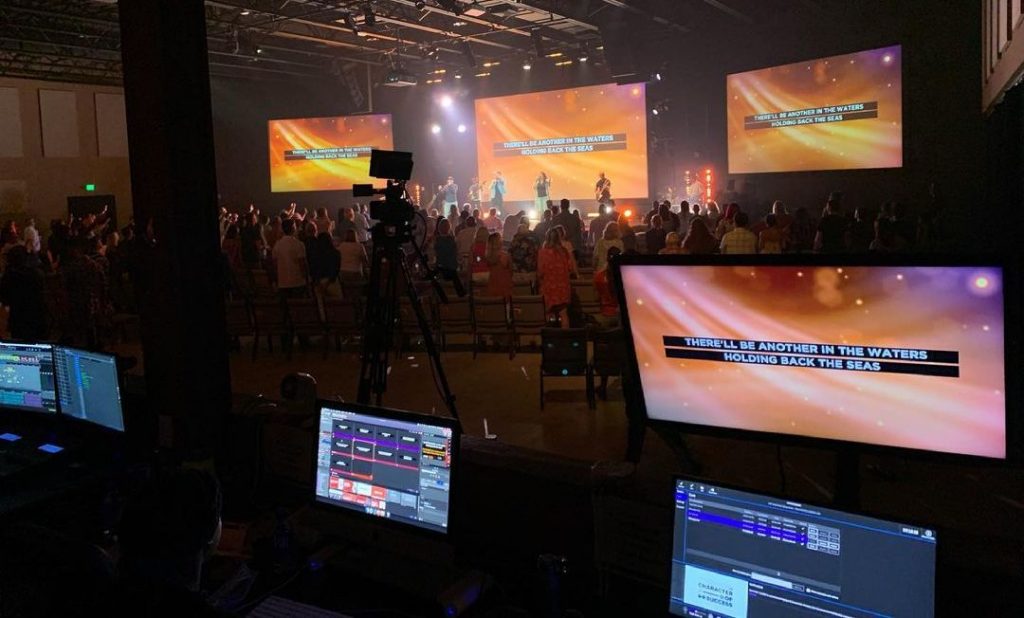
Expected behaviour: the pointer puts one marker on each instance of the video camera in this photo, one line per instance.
(394, 210)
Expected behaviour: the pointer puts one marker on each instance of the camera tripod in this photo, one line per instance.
(389, 271)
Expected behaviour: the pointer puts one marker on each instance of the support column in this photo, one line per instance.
(180, 283)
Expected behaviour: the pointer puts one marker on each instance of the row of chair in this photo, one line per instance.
(294, 317)
(564, 354)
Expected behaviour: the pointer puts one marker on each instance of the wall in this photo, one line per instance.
(37, 185)
(1003, 48)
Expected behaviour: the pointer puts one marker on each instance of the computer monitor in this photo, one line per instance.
(393, 465)
(26, 377)
(88, 388)
(896, 352)
(746, 555)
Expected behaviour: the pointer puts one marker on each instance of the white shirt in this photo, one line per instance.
(289, 253)
(352, 257)
(362, 227)
(464, 239)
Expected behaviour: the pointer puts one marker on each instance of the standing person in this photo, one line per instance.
(573, 227)
(603, 189)
(450, 191)
(740, 240)
(465, 237)
(541, 231)
(33, 244)
(553, 267)
(541, 188)
(323, 221)
(492, 221)
(627, 234)
(833, 230)
(604, 283)
(673, 245)
(354, 263)
(290, 258)
(699, 240)
(498, 190)
(478, 255)
(801, 232)
(347, 221)
(523, 251)
(21, 291)
(475, 193)
(655, 237)
(728, 222)
(324, 261)
(250, 240)
(499, 267)
(231, 247)
(610, 238)
(512, 223)
(771, 239)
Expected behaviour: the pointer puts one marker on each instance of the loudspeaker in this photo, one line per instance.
(619, 51)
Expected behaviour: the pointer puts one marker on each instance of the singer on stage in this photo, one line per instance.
(603, 189)
(542, 187)
(498, 191)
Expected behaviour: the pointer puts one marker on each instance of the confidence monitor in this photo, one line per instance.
(747, 555)
(396, 466)
(88, 388)
(816, 349)
(26, 377)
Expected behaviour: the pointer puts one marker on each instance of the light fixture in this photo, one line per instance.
(439, 71)
(458, 76)
(245, 13)
(491, 63)
(584, 58)
(462, 128)
(435, 128)
(526, 65)
(447, 101)
(555, 54)
(563, 63)
(458, 24)
(655, 111)
(484, 74)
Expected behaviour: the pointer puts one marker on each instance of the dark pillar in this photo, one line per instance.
(180, 287)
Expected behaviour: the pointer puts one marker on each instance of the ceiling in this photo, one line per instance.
(78, 40)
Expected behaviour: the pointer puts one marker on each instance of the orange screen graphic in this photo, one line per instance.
(325, 154)
(571, 135)
(841, 112)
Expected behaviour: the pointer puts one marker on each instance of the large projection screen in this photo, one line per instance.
(836, 113)
(571, 135)
(905, 356)
(325, 154)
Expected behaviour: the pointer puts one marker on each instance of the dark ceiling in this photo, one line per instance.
(78, 40)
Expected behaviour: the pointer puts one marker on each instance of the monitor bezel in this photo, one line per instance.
(1010, 335)
(117, 385)
(53, 361)
(404, 416)
(940, 532)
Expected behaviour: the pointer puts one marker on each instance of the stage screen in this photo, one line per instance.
(325, 154)
(906, 357)
(570, 135)
(836, 113)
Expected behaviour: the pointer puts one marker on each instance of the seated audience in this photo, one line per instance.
(699, 240)
(672, 245)
(771, 239)
(523, 252)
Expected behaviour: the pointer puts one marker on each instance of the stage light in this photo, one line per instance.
(458, 76)
(533, 214)
(563, 63)
(584, 58)
(462, 128)
(491, 63)
(447, 101)
(556, 54)
(439, 71)
(655, 111)
(527, 66)
(458, 24)
(435, 128)
(484, 74)
(628, 213)
(657, 77)
(245, 13)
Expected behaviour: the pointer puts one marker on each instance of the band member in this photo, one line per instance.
(498, 191)
(542, 187)
(475, 191)
(603, 189)
(451, 193)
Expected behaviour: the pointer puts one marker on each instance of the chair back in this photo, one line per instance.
(563, 351)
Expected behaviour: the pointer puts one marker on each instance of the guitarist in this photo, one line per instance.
(603, 189)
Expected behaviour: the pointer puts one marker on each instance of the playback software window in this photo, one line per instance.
(88, 387)
(737, 554)
(26, 377)
(393, 469)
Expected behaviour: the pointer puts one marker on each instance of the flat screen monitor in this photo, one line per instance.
(835, 113)
(748, 555)
(27, 381)
(898, 354)
(570, 135)
(392, 465)
(88, 388)
(325, 154)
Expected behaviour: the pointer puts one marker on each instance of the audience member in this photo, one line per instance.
(290, 258)
(655, 237)
(465, 237)
(627, 235)
(30, 234)
(231, 247)
(553, 268)
(699, 240)
(541, 231)
(21, 291)
(609, 239)
(511, 226)
(354, 263)
(573, 227)
(727, 223)
(523, 251)
(801, 232)
(604, 283)
(833, 230)
(499, 264)
(672, 244)
(771, 239)
(478, 253)
(324, 261)
(740, 240)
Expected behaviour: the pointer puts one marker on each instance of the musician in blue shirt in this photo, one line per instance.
(498, 191)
